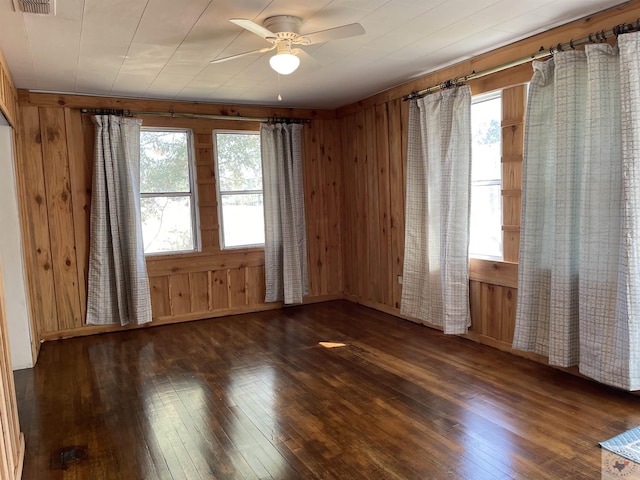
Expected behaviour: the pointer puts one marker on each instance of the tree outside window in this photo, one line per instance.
(486, 178)
(167, 201)
(239, 178)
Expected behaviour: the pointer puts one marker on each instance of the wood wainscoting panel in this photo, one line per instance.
(54, 170)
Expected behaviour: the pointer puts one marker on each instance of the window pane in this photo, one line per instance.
(243, 220)
(486, 221)
(164, 162)
(239, 161)
(485, 124)
(486, 172)
(166, 224)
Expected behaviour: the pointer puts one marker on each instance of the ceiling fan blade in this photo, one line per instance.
(239, 55)
(344, 31)
(306, 60)
(253, 28)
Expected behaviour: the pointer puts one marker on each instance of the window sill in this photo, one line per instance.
(203, 261)
(494, 272)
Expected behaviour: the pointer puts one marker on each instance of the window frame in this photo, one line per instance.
(480, 98)
(220, 193)
(193, 191)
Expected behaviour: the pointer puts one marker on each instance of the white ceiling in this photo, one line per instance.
(162, 48)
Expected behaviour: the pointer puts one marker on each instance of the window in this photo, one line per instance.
(167, 200)
(486, 195)
(239, 173)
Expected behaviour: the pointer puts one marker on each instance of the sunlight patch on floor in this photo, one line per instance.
(332, 344)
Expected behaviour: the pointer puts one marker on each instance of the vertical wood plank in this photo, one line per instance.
(80, 179)
(312, 221)
(322, 232)
(475, 301)
(373, 208)
(199, 291)
(159, 289)
(492, 310)
(35, 224)
(511, 206)
(511, 245)
(361, 205)
(236, 287)
(206, 190)
(219, 290)
(509, 300)
(255, 284)
(512, 175)
(349, 210)
(514, 100)
(384, 204)
(179, 294)
(56, 169)
(332, 206)
(513, 111)
(396, 180)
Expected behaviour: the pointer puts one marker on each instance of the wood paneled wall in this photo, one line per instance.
(354, 198)
(374, 158)
(55, 171)
(373, 139)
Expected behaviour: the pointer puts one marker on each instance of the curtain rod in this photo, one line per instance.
(129, 113)
(600, 36)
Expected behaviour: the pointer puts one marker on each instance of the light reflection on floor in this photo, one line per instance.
(253, 395)
(485, 436)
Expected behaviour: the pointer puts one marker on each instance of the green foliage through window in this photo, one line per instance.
(239, 173)
(166, 194)
(486, 171)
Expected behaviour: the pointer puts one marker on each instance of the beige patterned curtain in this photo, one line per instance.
(285, 230)
(435, 286)
(118, 282)
(579, 274)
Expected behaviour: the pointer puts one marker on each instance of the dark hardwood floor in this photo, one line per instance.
(256, 397)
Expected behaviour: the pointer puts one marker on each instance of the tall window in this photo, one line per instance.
(239, 175)
(166, 189)
(486, 196)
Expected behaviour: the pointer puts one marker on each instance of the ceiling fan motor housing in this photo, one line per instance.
(286, 27)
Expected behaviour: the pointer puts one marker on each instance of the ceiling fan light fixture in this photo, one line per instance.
(284, 63)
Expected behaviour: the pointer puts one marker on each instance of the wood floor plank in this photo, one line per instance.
(257, 397)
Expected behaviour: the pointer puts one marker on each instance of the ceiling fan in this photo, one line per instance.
(282, 32)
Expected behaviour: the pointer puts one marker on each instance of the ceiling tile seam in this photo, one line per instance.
(75, 80)
(240, 32)
(435, 33)
(177, 48)
(421, 14)
(126, 55)
(482, 51)
(31, 57)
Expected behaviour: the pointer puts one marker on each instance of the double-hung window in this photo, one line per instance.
(167, 199)
(486, 177)
(238, 163)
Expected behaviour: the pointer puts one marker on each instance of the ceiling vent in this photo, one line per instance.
(40, 7)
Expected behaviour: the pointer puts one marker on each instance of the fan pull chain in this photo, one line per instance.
(279, 89)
